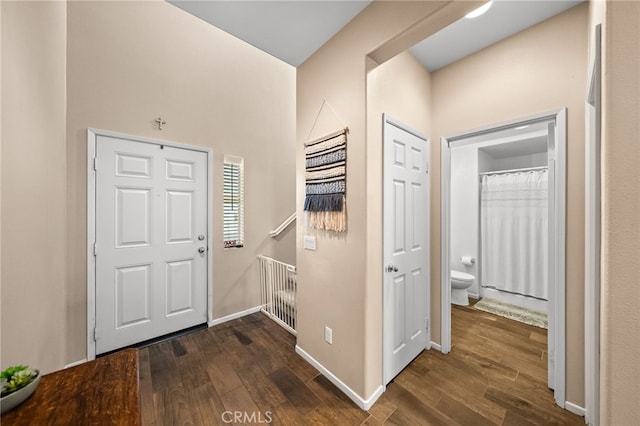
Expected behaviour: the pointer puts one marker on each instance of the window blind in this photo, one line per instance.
(233, 206)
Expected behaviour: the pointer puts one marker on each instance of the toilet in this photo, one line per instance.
(460, 282)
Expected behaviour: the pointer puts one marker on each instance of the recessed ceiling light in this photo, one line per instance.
(479, 11)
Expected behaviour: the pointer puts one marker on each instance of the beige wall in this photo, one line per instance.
(334, 286)
(401, 88)
(125, 64)
(620, 316)
(540, 69)
(129, 63)
(34, 250)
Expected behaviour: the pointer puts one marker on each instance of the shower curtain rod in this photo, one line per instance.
(525, 169)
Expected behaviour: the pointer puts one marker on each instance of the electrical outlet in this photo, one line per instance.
(328, 335)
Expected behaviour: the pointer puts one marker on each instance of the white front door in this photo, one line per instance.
(151, 241)
(406, 247)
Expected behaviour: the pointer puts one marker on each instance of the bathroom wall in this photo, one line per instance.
(464, 211)
(519, 161)
(485, 161)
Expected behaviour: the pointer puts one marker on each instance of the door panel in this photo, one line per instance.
(133, 221)
(133, 294)
(399, 219)
(417, 238)
(180, 170)
(128, 165)
(180, 216)
(151, 204)
(405, 292)
(399, 297)
(180, 286)
(416, 307)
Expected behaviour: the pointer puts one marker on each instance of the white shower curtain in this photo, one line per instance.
(513, 226)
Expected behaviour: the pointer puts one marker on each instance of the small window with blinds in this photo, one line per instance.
(233, 202)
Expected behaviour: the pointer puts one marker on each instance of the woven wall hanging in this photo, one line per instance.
(325, 203)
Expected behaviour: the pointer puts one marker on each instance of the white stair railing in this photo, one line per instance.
(288, 221)
(278, 292)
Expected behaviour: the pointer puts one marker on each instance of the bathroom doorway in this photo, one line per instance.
(486, 240)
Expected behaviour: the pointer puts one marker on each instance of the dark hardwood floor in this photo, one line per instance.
(246, 371)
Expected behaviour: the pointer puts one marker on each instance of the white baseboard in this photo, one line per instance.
(436, 346)
(575, 409)
(368, 403)
(474, 296)
(364, 404)
(73, 364)
(234, 316)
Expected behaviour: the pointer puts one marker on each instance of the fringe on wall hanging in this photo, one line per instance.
(325, 203)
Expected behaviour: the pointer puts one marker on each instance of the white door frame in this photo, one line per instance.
(593, 130)
(557, 238)
(388, 120)
(92, 137)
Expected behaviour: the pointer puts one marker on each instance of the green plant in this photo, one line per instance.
(16, 377)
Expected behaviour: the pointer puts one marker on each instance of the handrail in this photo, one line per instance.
(288, 221)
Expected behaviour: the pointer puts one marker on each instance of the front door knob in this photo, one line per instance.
(201, 250)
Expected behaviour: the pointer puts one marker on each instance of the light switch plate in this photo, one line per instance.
(328, 335)
(309, 242)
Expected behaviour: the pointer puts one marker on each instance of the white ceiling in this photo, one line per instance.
(502, 20)
(293, 30)
(289, 30)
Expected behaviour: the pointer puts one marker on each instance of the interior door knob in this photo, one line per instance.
(392, 268)
(201, 249)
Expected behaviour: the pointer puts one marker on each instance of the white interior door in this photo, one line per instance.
(151, 241)
(406, 247)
